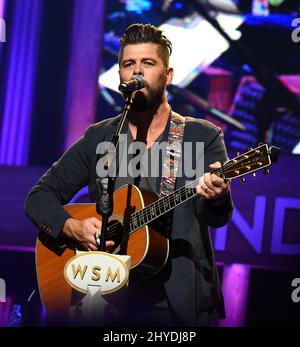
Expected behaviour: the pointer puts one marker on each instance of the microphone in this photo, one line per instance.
(194, 99)
(135, 83)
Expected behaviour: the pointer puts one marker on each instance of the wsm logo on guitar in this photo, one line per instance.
(96, 269)
(2, 290)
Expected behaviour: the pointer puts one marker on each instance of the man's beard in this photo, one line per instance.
(150, 102)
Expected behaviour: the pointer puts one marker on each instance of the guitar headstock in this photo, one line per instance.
(255, 159)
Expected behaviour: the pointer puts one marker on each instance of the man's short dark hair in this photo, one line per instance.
(146, 33)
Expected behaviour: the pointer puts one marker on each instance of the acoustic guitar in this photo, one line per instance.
(137, 226)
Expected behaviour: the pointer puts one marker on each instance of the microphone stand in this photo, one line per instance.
(105, 185)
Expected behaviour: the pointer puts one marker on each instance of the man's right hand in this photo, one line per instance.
(83, 231)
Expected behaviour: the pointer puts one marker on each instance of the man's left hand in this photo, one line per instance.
(212, 187)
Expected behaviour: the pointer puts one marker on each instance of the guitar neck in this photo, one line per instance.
(164, 205)
(251, 161)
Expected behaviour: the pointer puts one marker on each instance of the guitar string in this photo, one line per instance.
(166, 202)
(113, 228)
(182, 192)
(157, 209)
(159, 203)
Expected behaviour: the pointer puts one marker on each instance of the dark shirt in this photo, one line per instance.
(143, 179)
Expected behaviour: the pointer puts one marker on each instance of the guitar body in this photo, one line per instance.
(147, 244)
(147, 247)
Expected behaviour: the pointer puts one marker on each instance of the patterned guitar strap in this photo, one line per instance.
(173, 154)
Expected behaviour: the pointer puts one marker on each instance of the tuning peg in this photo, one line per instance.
(237, 154)
(254, 175)
(243, 180)
(250, 149)
(266, 171)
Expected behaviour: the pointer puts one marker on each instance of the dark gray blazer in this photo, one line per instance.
(191, 285)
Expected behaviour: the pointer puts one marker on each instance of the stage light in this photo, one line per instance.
(227, 6)
(296, 150)
(178, 5)
(276, 2)
(203, 47)
(260, 7)
(137, 6)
